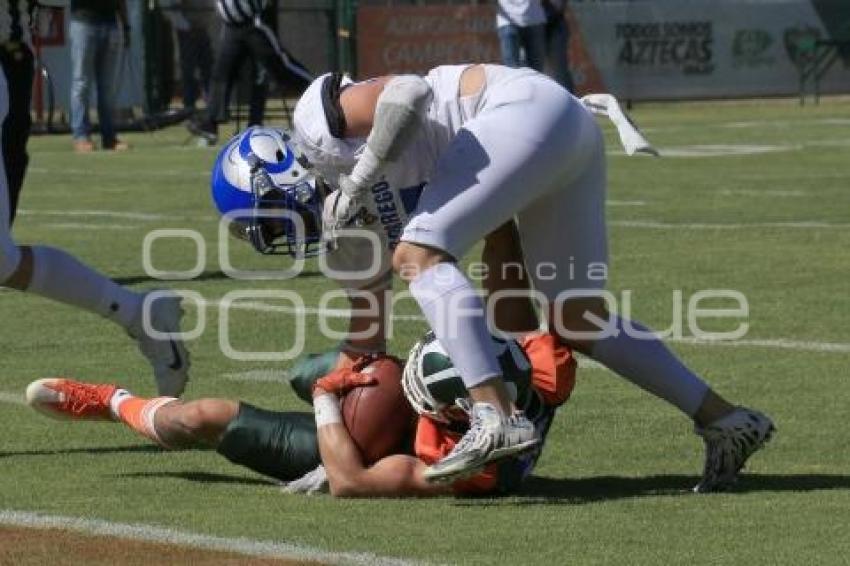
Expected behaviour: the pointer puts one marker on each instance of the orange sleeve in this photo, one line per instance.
(433, 441)
(553, 367)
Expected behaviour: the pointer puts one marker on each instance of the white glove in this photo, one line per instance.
(340, 211)
(630, 136)
(353, 188)
(311, 483)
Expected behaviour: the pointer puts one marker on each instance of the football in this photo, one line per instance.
(378, 417)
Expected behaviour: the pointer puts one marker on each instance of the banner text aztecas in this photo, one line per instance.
(653, 49)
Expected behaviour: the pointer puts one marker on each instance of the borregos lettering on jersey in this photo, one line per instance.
(393, 214)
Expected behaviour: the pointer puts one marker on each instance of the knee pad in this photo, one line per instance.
(10, 257)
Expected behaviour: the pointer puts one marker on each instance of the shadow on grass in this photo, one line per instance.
(205, 276)
(577, 491)
(200, 477)
(84, 450)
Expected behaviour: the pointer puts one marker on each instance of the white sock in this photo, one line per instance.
(59, 276)
(118, 397)
(650, 365)
(456, 314)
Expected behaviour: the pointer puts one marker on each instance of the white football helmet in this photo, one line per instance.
(435, 389)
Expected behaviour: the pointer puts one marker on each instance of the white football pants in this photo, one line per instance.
(535, 153)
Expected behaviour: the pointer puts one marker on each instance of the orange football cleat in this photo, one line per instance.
(61, 398)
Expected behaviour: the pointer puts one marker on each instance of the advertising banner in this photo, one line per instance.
(647, 49)
(414, 39)
(694, 48)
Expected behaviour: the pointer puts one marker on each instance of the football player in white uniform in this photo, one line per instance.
(432, 165)
(53, 273)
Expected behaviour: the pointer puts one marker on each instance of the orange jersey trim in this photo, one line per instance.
(553, 377)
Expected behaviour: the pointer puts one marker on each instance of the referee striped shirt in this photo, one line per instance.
(240, 12)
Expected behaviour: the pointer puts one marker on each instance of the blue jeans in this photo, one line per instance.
(557, 56)
(94, 54)
(531, 40)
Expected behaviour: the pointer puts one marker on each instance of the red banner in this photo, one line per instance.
(415, 39)
(49, 27)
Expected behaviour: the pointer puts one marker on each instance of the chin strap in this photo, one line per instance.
(630, 136)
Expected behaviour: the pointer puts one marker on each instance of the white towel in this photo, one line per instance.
(630, 136)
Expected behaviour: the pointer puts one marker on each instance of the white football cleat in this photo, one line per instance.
(168, 357)
(729, 442)
(490, 437)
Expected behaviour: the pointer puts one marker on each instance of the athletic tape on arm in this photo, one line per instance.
(326, 409)
(631, 138)
(400, 105)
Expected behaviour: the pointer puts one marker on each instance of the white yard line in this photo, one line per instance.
(827, 143)
(620, 223)
(754, 124)
(655, 224)
(150, 533)
(723, 150)
(764, 193)
(12, 398)
(90, 227)
(314, 311)
(201, 172)
(773, 343)
(776, 343)
(94, 213)
(258, 375)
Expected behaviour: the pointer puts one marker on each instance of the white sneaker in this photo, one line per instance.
(729, 442)
(490, 437)
(313, 482)
(169, 357)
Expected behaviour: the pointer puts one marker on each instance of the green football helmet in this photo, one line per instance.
(435, 388)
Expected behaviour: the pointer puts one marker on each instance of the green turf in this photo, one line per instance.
(613, 484)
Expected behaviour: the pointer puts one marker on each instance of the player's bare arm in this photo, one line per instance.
(348, 476)
(358, 101)
(358, 104)
(394, 476)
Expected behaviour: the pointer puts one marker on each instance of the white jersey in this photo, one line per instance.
(522, 149)
(393, 199)
(522, 13)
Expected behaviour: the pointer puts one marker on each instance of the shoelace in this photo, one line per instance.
(468, 438)
(79, 397)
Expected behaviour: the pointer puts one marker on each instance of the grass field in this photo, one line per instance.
(751, 196)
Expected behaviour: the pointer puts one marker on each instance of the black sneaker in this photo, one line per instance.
(204, 129)
(729, 442)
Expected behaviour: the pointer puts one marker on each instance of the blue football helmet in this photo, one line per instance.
(276, 203)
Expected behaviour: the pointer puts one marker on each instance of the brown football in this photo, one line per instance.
(378, 417)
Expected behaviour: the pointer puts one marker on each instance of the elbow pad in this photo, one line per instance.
(400, 105)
